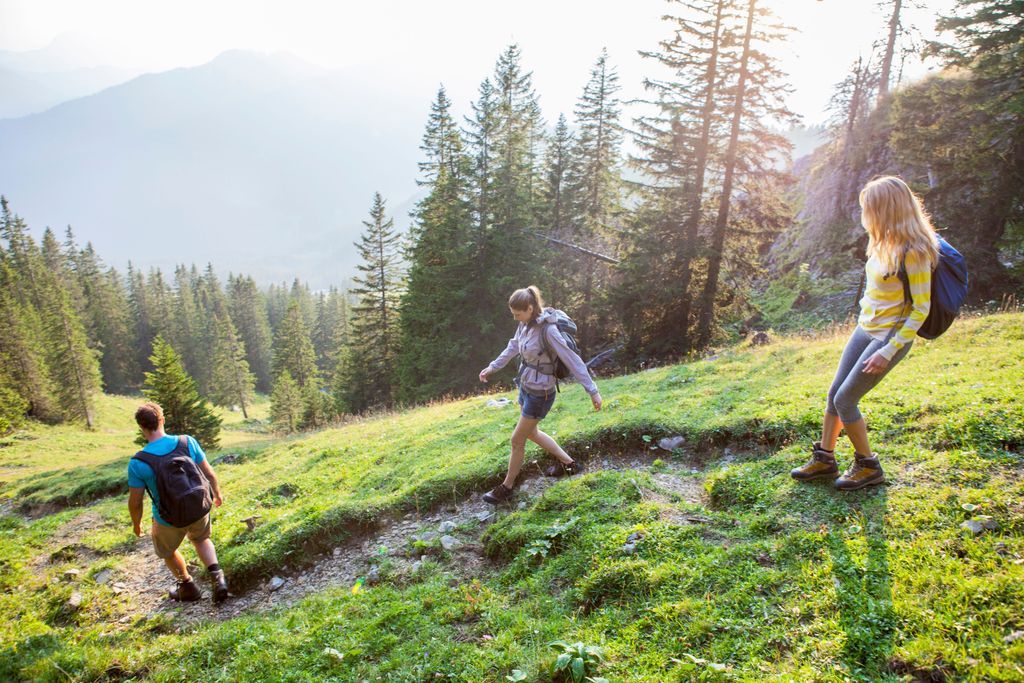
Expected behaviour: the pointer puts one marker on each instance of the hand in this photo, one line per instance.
(137, 528)
(483, 374)
(218, 500)
(596, 400)
(876, 364)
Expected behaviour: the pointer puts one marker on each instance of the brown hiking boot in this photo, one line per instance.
(187, 591)
(822, 464)
(559, 469)
(220, 586)
(498, 494)
(863, 472)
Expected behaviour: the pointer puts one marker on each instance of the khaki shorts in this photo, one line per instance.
(166, 539)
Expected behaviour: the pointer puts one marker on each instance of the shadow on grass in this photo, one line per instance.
(860, 568)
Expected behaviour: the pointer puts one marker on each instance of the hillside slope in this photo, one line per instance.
(708, 563)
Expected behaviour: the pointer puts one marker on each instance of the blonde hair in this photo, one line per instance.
(522, 299)
(896, 223)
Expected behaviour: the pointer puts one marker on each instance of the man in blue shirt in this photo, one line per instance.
(167, 538)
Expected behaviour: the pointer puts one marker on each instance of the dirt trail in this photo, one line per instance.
(140, 581)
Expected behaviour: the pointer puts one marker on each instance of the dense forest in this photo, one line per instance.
(699, 235)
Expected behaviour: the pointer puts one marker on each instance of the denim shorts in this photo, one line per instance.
(535, 407)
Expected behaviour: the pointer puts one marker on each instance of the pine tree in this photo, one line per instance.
(757, 98)
(231, 380)
(248, 312)
(286, 404)
(596, 190)
(374, 331)
(22, 356)
(677, 150)
(293, 350)
(440, 260)
(185, 411)
(107, 318)
(73, 366)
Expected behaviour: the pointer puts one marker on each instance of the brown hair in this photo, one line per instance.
(149, 416)
(522, 299)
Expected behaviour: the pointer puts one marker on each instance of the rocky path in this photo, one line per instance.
(449, 534)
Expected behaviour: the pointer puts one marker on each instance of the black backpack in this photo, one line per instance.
(949, 289)
(184, 492)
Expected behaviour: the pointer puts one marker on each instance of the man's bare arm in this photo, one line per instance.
(135, 495)
(218, 499)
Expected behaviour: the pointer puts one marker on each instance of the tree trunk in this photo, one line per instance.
(890, 47)
(696, 200)
(707, 313)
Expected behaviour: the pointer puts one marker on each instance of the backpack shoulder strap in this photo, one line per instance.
(147, 458)
(182, 445)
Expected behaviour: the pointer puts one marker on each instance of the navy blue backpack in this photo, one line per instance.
(949, 289)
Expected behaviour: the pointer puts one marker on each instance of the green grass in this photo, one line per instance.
(779, 581)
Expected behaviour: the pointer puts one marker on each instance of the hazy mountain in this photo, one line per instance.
(259, 164)
(67, 68)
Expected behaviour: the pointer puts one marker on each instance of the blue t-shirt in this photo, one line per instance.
(142, 475)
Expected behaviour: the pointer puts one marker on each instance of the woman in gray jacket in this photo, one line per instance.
(537, 383)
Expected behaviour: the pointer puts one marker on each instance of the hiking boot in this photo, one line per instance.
(498, 494)
(187, 591)
(220, 586)
(822, 464)
(863, 472)
(559, 469)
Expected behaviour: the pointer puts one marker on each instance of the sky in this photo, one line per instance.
(454, 42)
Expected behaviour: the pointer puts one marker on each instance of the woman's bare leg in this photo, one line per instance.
(550, 445)
(523, 431)
(830, 428)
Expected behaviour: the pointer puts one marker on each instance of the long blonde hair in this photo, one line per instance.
(896, 223)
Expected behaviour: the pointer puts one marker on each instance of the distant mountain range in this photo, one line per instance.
(259, 164)
(262, 164)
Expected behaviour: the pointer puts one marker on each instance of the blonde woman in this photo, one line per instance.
(540, 345)
(900, 235)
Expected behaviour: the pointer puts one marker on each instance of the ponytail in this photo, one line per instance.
(522, 299)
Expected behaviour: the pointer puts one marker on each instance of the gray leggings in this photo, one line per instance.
(851, 382)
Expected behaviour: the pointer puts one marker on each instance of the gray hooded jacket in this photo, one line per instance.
(527, 343)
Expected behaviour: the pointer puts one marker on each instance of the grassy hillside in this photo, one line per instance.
(756, 578)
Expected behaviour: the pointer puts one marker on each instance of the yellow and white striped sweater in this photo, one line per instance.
(883, 306)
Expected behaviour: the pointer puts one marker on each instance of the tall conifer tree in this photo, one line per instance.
(185, 411)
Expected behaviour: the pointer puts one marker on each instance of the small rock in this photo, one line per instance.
(373, 576)
(337, 552)
(416, 566)
(634, 537)
(447, 526)
(226, 459)
(75, 601)
(629, 548)
(71, 574)
(426, 537)
(760, 339)
(988, 522)
(727, 453)
(102, 576)
(450, 542)
(974, 526)
(498, 403)
(670, 443)
(250, 522)
(333, 654)
(521, 506)
(275, 584)
(1013, 637)
(484, 516)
